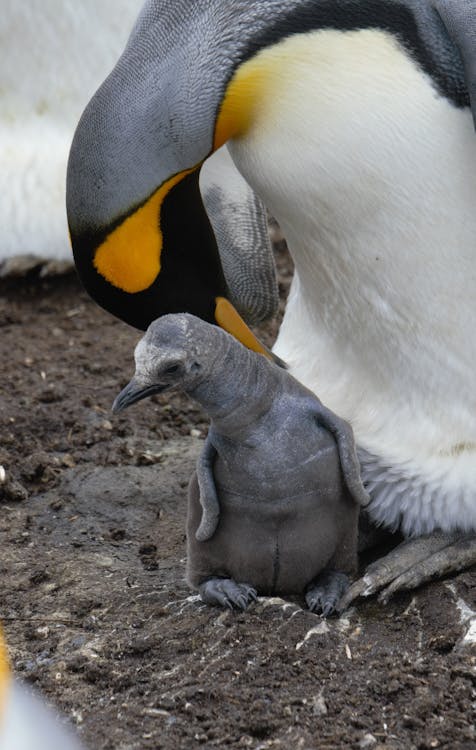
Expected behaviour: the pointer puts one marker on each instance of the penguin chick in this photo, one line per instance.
(274, 503)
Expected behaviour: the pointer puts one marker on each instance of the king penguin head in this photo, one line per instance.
(142, 241)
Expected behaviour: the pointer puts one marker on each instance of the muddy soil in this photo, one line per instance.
(92, 594)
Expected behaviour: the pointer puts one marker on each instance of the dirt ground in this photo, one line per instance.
(92, 595)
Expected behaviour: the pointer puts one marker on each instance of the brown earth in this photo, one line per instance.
(96, 612)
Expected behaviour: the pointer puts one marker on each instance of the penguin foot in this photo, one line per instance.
(24, 265)
(324, 593)
(225, 592)
(413, 563)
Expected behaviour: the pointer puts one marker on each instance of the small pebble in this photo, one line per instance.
(368, 740)
(103, 561)
(155, 712)
(319, 706)
(10, 489)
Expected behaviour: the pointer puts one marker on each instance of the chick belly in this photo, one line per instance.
(273, 547)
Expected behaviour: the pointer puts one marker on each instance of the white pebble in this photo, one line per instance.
(368, 740)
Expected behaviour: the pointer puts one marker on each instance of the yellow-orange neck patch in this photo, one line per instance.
(252, 83)
(236, 111)
(4, 675)
(129, 257)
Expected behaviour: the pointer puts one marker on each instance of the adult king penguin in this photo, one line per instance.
(351, 120)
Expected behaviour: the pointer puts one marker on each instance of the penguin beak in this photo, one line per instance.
(134, 392)
(229, 319)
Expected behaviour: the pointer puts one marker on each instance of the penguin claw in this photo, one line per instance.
(413, 563)
(225, 592)
(323, 595)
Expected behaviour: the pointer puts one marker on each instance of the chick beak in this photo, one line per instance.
(134, 391)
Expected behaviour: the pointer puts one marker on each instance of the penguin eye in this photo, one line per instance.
(171, 369)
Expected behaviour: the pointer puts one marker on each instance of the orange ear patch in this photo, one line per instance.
(130, 257)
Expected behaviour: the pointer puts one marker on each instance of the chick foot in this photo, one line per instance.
(324, 593)
(413, 563)
(225, 592)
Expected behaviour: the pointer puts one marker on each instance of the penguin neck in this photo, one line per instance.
(238, 389)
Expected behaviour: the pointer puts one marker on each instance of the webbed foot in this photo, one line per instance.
(324, 593)
(225, 592)
(413, 563)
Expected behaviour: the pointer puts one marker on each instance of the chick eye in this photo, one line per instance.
(171, 369)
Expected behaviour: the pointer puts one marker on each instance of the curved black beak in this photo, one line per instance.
(133, 392)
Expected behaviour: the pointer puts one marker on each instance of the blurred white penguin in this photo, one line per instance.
(53, 57)
(25, 724)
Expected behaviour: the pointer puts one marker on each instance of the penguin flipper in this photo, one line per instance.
(459, 19)
(344, 437)
(239, 221)
(208, 493)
